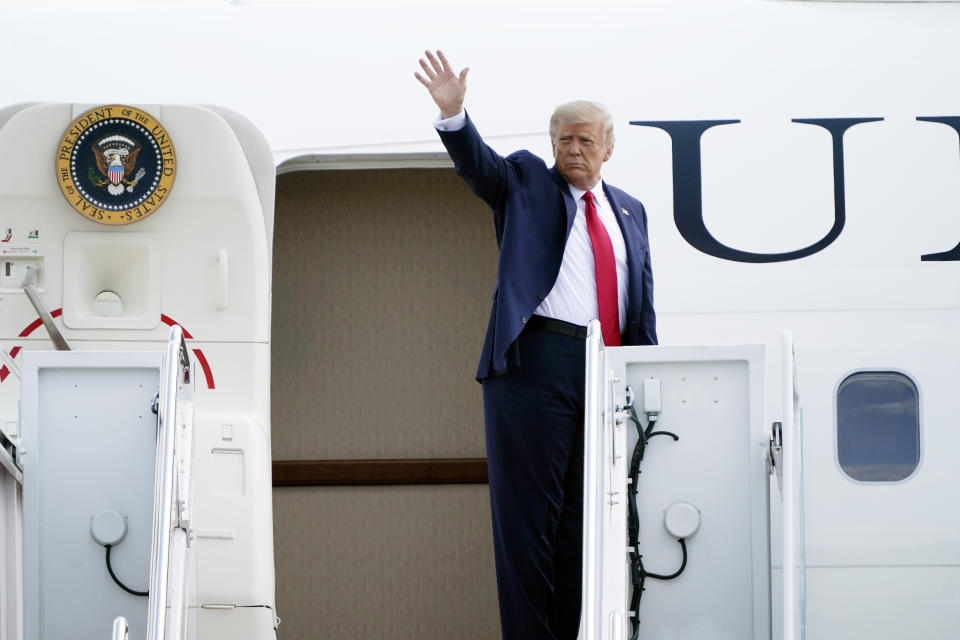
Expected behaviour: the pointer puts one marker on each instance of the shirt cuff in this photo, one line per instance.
(455, 123)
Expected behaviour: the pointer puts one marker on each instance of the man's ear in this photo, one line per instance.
(607, 155)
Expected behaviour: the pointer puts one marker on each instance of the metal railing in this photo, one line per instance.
(30, 288)
(120, 628)
(7, 359)
(167, 507)
(11, 540)
(592, 577)
(8, 458)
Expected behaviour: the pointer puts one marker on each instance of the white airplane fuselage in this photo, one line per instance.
(799, 163)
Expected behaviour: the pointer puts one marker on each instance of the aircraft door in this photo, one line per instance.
(695, 561)
(89, 439)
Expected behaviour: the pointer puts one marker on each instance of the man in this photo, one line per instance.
(572, 249)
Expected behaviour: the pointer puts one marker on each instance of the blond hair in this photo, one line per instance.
(583, 111)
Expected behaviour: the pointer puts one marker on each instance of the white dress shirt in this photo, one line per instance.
(574, 294)
(573, 297)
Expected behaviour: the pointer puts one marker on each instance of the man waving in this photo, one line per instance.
(572, 249)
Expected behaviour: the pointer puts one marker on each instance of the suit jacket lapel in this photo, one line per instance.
(617, 208)
(618, 212)
(571, 206)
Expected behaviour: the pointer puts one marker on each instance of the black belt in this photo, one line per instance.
(540, 323)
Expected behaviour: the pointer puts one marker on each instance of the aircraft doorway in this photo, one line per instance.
(381, 282)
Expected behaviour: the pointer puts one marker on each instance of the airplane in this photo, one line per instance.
(799, 165)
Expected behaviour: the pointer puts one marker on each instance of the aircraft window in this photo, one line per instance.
(878, 426)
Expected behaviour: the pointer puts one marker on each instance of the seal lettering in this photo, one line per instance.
(115, 164)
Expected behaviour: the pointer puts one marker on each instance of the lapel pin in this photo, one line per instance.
(625, 212)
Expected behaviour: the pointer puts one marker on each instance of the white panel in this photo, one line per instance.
(234, 622)
(227, 467)
(883, 602)
(90, 440)
(712, 398)
(231, 512)
(707, 406)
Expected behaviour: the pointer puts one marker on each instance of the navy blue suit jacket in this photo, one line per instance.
(533, 212)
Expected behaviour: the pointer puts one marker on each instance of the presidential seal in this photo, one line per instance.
(116, 164)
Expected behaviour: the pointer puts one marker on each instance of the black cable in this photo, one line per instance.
(638, 574)
(663, 433)
(117, 580)
(637, 578)
(683, 565)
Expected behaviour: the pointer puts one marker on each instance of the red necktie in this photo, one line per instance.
(606, 270)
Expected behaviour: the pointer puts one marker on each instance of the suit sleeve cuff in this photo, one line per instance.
(451, 124)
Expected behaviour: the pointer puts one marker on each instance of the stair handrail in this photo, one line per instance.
(176, 371)
(120, 628)
(9, 459)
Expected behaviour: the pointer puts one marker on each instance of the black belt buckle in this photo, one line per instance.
(561, 327)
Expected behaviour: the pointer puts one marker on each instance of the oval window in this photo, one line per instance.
(878, 426)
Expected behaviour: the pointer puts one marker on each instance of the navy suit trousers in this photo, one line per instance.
(534, 433)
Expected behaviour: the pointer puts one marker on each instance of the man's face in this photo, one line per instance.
(579, 150)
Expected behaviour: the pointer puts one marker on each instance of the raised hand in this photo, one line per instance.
(446, 87)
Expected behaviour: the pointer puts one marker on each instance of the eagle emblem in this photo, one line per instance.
(116, 159)
(115, 164)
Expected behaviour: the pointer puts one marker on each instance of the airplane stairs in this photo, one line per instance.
(89, 423)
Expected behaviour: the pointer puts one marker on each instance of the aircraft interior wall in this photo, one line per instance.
(380, 289)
